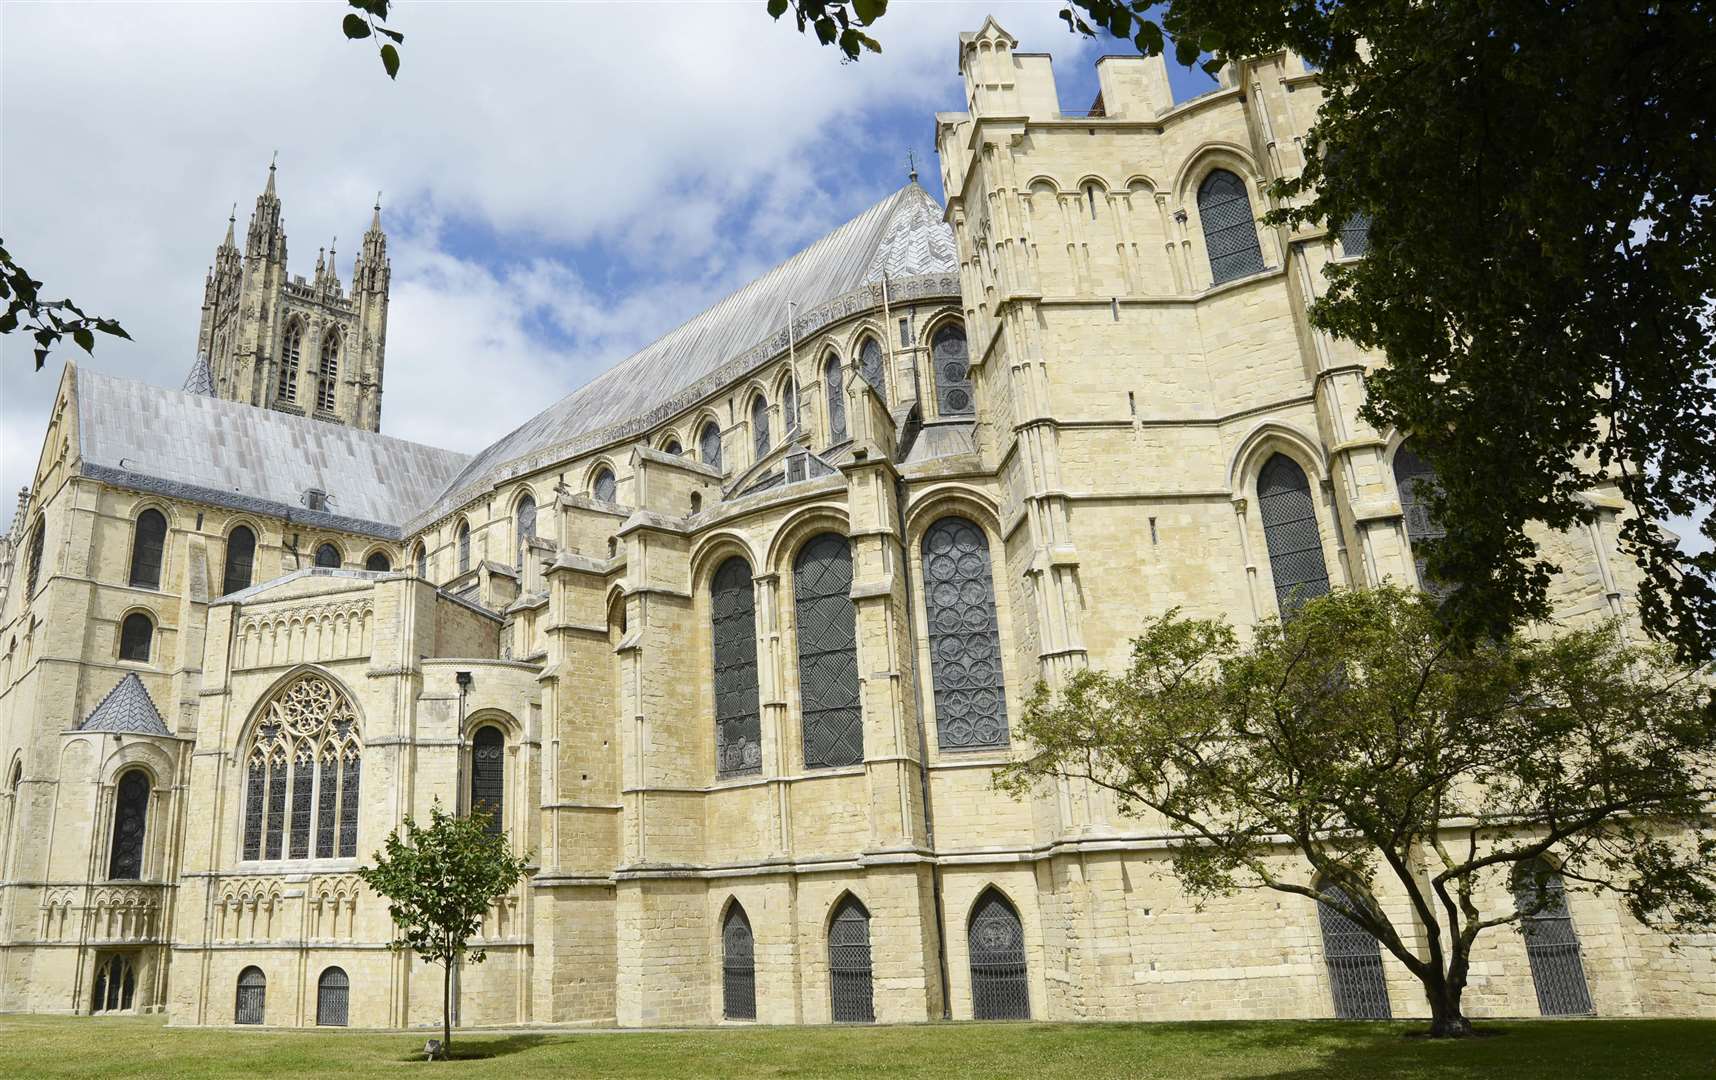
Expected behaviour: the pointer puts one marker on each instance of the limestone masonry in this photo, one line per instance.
(732, 638)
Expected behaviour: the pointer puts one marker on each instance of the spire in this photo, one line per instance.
(375, 222)
(271, 163)
(911, 166)
(231, 223)
(266, 236)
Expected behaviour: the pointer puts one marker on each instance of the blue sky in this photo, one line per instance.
(561, 183)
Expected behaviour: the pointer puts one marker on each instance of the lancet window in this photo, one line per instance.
(836, 399)
(760, 426)
(148, 546)
(828, 653)
(1230, 232)
(733, 619)
(605, 488)
(789, 406)
(953, 392)
(709, 445)
(1354, 960)
(302, 775)
(964, 636)
(526, 528)
(738, 966)
(38, 538)
(328, 379)
(291, 353)
(464, 546)
(130, 819)
(1416, 480)
(1290, 530)
(240, 560)
(870, 366)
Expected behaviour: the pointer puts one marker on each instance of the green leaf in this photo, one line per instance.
(777, 8)
(355, 27)
(868, 11)
(85, 339)
(390, 60)
(394, 34)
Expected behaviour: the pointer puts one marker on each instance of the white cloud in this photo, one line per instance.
(641, 129)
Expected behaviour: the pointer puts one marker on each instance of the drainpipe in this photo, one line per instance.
(463, 678)
(923, 756)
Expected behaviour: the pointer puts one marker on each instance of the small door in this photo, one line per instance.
(333, 992)
(999, 988)
(849, 972)
(738, 967)
(1355, 963)
(252, 995)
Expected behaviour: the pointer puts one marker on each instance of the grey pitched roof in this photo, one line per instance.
(148, 438)
(199, 380)
(126, 708)
(902, 236)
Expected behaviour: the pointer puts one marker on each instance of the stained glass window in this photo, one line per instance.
(964, 636)
(136, 634)
(328, 555)
(760, 426)
(130, 819)
(422, 561)
(605, 488)
(240, 560)
(1290, 529)
(488, 775)
(828, 653)
(709, 445)
(870, 367)
(836, 399)
(464, 546)
(1230, 232)
(526, 528)
(732, 613)
(1355, 235)
(953, 393)
(148, 545)
(302, 775)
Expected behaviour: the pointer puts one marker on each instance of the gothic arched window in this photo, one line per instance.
(1290, 529)
(115, 984)
(733, 626)
(964, 636)
(789, 406)
(1415, 479)
(1230, 232)
(464, 546)
(378, 562)
(870, 367)
(136, 634)
(1551, 944)
(328, 378)
(709, 445)
(673, 448)
(953, 393)
(130, 819)
(849, 973)
(148, 544)
(488, 774)
(836, 399)
(421, 560)
(1354, 959)
(604, 487)
(828, 653)
(291, 353)
(526, 516)
(760, 426)
(328, 555)
(738, 966)
(306, 742)
(240, 560)
(252, 997)
(999, 989)
(38, 540)
(1355, 235)
(333, 992)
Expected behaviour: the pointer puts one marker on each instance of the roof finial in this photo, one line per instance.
(271, 161)
(375, 222)
(231, 223)
(912, 165)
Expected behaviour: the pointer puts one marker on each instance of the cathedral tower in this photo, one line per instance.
(280, 342)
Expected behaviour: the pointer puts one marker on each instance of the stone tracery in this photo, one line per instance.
(307, 742)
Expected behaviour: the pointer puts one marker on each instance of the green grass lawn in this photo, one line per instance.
(35, 1046)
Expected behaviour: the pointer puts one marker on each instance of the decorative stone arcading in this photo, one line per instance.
(332, 631)
(250, 910)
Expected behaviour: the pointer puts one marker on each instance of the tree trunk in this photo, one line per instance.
(1446, 1019)
(447, 1011)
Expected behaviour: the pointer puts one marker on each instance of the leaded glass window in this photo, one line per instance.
(789, 406)
(1230, 232)
(605, 487)
(849, 973)
(240, 560)
(828, 653)
(673, 448)
(130, 819)
(999, 989)
(252, 997)
(488, 775)
(709, 445)
(870, 367)
(1551, 943)
(1415, 479)
(836, 399)
(328, 555)
(291, 354)
(526, 528)
(377, 562)
(733, 626)
(464, 546)
(1290, 530)
(148, 544)
(115, 985)
(738, 966)
(964, 636)
(760, 426)
(953, 393)
(333, 991)
(302, 774)
(422, 561)
(328, 379)
(1355, 235)
(136, 634)
(1354, 960)
(38, 540)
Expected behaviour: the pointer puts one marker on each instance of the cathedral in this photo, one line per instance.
(730, 640)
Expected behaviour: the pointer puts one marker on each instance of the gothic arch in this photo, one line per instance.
(377, 551)
(797, 528)
(593, 477)
(667, 438)
(138, 510)
(151, 640)
(1265, 439)
(300, 769)
(258, 710)
(137, 753)
(1208, 157)
(709, 551)
(319, 552)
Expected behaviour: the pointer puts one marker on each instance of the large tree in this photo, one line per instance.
(1361, 746)
(439, 881)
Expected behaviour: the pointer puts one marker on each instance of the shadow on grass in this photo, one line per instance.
(481, 1048)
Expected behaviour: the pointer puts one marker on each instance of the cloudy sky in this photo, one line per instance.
(560, 183)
